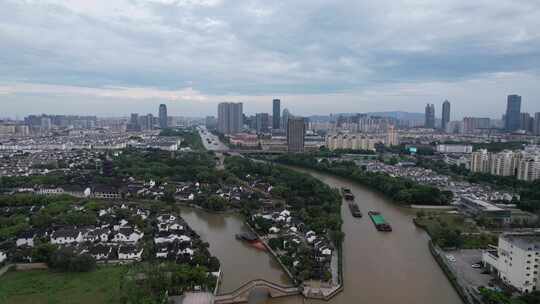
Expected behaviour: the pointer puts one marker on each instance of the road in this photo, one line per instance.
(210, 141)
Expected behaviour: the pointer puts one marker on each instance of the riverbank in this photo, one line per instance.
(401, 190)
(374, 260)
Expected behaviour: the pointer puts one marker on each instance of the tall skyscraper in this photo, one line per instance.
(430, 116)
(163, 116)
(296, 131)
(445, 115)
(537, 124)
(276, 114)
(513, 113)
(133, 124)
(526, 122)
(285, 118)
(262, 122)
(230, 117)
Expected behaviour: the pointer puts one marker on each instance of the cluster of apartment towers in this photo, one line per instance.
(230, 121)
(513, 119)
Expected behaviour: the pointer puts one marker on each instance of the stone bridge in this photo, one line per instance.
(256, 288)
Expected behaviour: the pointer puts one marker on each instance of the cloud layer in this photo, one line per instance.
(198, 51)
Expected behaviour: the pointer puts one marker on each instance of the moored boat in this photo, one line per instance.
(247, 237)
(347, 194)
(355, 210)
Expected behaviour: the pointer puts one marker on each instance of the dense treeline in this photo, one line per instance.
(317, 204)
(160, 165)
(399, 189)
(9, 182)
(190, 137)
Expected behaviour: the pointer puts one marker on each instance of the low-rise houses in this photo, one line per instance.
(127, 235)
(26, 239)
(298, 248)
(100, 252)
(66, 237)
(130, 252)
(516, 261)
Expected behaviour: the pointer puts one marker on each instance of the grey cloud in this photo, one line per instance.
(260, 47)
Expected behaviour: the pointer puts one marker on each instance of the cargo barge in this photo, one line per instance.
(379, 221)
(355, 210)
(347, 194)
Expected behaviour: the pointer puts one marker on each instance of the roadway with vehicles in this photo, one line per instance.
(210, 141)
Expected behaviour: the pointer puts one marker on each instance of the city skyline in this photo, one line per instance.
(135, 54)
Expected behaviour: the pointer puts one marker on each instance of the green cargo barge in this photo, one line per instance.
(379, 221)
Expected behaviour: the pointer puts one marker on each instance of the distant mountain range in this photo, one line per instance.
(401, 115)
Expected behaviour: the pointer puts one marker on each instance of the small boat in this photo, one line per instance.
(355, 210)
(379, 221)
(247, 237)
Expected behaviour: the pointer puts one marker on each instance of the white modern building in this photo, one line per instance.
(454, 149)
(516, 260)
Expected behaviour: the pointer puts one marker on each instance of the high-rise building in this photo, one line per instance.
(163, 120)
(526, 122)
(296, 131)
(350, 141)
(285, 118)
(430, 116)
(472, 124)
(276, 114)
(513, 113)
(230, 117)
(146, 122)
(504, 163)
(536, 128)
(262, 122)
(133, 124)
(392, 137)
(480, 161)
(445, 115)
(529, 168)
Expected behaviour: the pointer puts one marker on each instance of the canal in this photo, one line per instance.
(382, 268)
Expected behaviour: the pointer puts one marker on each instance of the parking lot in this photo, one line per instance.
(462, 267)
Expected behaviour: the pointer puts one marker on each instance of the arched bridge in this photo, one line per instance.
(246, 291)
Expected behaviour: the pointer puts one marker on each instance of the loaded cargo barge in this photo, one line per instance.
(355, 210)
(379, 221)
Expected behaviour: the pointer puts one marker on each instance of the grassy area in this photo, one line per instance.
(432, 221)
(453, 231)
(42, 286)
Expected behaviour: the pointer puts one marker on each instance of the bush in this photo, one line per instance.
(68, 261)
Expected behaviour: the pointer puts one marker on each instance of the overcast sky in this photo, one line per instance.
(113, 57)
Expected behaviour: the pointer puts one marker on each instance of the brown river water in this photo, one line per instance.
(381, 268)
